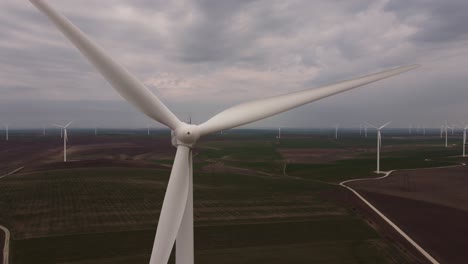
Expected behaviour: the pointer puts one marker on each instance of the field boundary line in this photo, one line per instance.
(11, 172)
(393, 225)
(6, 246)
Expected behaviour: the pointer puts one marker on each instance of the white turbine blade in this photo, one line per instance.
(127, 85)
(69, 123)
(259, 109)
(368, 124)
(173, 207)
(55, 125)
(385, 125)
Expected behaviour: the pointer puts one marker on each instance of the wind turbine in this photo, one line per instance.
(65, 139)
(464, 140)
(176, 217)
(279, 133)
(452, 127)
(6, 132)
(446, 134)
(336, 130)
(379, 143)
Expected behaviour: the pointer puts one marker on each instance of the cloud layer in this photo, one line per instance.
(202, 56)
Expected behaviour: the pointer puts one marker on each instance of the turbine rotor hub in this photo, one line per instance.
(186, 134)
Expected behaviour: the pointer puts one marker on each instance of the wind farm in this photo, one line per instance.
(260, 176)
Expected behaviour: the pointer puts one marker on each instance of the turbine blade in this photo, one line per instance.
(69, 123)
(55, 125)
(385, 125)
(371, 125)
(127, 85)
(259, 109)
(173, 207)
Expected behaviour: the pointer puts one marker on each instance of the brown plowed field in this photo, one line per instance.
(430, 205)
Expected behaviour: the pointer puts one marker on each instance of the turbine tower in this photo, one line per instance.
(6, 132)
(279, 133)
(464, 140)
(176, 217)
(379, 143)
(336, 130)
(446, 127)
(65, 139)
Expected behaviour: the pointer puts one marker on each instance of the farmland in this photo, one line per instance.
(256, 199)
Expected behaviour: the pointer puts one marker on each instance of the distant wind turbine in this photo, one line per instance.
(337, 126)
(6, 132)
(176, 218)
(65, 139)
(279, 133)
(464, 140)
(446, 134)
(379, 143)
(452, 127)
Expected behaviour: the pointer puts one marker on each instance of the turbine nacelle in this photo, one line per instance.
(186, 135)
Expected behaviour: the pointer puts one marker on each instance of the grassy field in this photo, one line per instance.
(109, 214)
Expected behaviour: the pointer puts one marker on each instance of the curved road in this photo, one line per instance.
(393, 225)
(5, 237)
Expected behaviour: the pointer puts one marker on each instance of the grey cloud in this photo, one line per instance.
(219, 53)
(445, 20)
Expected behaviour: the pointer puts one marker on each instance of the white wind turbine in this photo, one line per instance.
(337, 126)
(279, 133)
(379, 143)
(464, 140)
(65, 139)
(446, 127)
(176, 217)
(6, 132)
(452, 127)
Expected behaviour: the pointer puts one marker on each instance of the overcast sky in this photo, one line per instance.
(202, 56)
